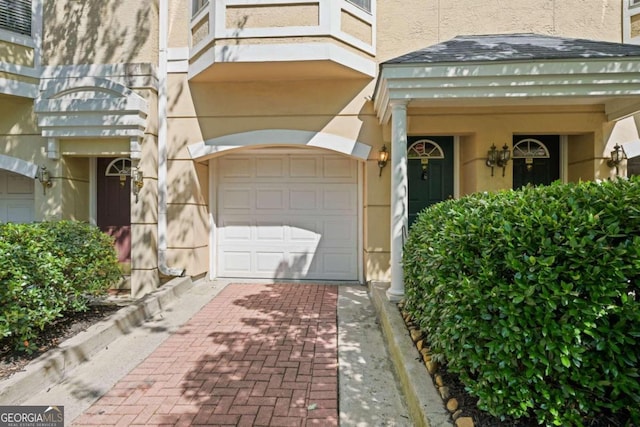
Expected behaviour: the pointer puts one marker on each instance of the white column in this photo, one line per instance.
(399, 197)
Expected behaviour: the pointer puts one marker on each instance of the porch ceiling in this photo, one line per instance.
(513, 70)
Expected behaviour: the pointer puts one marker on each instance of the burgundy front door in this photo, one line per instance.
(114, 207)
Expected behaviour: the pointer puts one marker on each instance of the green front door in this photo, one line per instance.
(429, 171)
(536, 160)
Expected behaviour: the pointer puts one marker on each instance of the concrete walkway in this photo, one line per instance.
(241, 354)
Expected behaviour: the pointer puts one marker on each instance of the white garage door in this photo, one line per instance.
(289, 216)
(16, 197)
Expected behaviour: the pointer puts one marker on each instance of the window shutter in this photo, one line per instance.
(15, 15)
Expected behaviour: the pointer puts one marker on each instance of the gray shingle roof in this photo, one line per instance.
(515, 47)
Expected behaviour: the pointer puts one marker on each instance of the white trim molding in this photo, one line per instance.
(90, 107)
(278, 137)
(19, 166)
(607, 81)
(282, 53)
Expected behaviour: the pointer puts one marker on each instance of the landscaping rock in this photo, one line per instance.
(464, 422)
(452, 405)
(438, 379)
(444, 392)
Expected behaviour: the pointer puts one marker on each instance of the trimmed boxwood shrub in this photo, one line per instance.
(533, 298)
(49, 269)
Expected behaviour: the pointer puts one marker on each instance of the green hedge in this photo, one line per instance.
(48, 269)
(533, 298)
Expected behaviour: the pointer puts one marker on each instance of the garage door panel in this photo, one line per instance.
(339, 233)
(237, 168)
(237, 198)
(310, 232)
(237, 262)
(339, 198)
(304, 167)
(16, 198)
(339, 167)
(303, 199)
(268, 262)
(271, 231)
(271, 198)
(299, 221)
(20, 185)
(270, 167)
(338, 263)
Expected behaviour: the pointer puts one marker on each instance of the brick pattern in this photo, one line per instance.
(256, 355)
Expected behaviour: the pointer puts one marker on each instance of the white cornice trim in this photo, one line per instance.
(502, 82)
(279, 137)
(90, 107)
(178, 60)
(19, 166)
(18, 88)
(134, 75)
(282, 53)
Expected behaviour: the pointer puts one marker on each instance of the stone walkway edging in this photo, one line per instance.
(52, 366)
(422, 399)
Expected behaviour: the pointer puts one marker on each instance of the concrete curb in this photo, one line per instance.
(423, 401)
(53, 366)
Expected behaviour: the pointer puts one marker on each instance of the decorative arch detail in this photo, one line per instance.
(19, 166)
(278, 137)
(90, 107)
(530, 148)
(425, 149)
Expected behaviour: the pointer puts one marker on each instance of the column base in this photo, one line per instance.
(394, 295)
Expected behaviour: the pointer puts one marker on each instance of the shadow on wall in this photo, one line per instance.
(294, 270)
(91, 32)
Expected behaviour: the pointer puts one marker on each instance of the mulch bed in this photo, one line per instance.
(12, 361)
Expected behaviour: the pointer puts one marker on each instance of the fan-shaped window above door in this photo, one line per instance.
(530, 149)
(120, 167)
(425, 149)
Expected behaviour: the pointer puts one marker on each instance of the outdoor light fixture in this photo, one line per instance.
(137, 181)
(498, 158)
(383, 158)
(617, 156)
(45, 178)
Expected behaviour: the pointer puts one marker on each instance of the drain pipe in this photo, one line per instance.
(163, 17)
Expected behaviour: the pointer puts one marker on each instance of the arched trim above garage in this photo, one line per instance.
(279, 137)
(19, 166)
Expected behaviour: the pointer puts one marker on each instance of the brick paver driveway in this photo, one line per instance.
(256, 355)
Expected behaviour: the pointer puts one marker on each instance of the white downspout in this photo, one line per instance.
(162, 142)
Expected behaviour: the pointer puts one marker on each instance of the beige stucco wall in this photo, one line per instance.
(408, 25)
(356, 27)
(272, 16)
(11, 53)
(100, 32)
(179, 20)
(201, 111)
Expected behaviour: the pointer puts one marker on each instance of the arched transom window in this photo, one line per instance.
(530, 149)
(425, 149)
(120, 167)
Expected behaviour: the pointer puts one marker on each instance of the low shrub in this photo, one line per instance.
(532, 297)
(49, 269)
